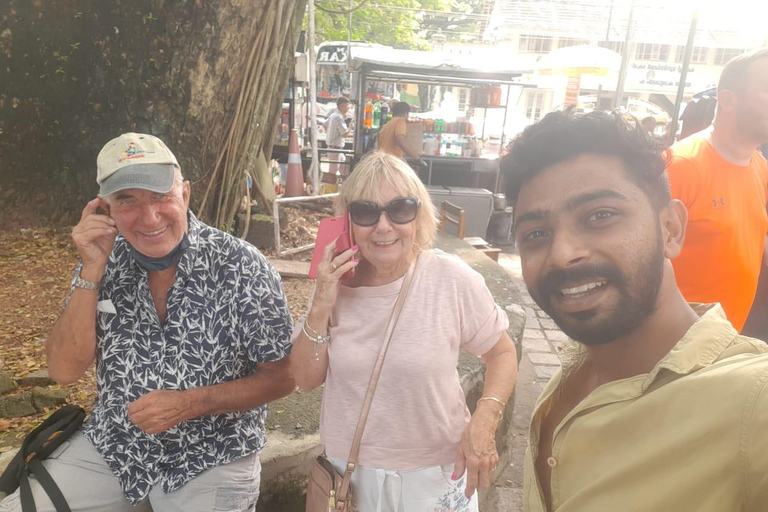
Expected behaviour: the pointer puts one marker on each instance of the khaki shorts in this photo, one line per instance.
(89, 485)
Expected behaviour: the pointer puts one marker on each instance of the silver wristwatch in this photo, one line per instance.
(79, 282)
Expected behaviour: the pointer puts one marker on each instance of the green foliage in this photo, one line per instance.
(398, 23)
(456, 27)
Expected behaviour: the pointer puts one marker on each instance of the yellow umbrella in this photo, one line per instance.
(579, 60)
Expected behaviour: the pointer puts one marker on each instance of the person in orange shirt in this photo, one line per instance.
(723, 181)
(392, 138)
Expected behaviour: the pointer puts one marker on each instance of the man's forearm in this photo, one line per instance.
(71, 345)
(407, 149)
(241, 394)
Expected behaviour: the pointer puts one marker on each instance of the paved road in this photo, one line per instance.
(541, 341)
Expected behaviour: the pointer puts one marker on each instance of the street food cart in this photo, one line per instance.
(459, 108)
(461, 146)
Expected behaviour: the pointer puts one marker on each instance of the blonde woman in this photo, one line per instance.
(421, 450)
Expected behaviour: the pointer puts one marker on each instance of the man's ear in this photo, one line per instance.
(186, 192)
(726, 100)
(674, 220)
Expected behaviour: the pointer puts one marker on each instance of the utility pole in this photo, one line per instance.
(619, 99)
(349, 34)
(314, 168)
(683, 75)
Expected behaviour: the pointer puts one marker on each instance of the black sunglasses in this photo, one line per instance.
(399, 211)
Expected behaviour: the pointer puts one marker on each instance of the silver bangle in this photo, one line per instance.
(317, 337)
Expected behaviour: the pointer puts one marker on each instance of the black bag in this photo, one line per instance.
(38, 446)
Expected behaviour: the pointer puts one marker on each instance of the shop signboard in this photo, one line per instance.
(572, 90)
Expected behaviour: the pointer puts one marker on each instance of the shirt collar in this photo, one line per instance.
(187, 261)
(701, 346)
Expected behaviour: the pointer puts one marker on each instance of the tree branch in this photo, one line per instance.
(342, 11)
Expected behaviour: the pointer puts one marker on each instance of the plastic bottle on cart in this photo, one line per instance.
(430, 145)
(376, 114)
(368, 114)
(383, 115)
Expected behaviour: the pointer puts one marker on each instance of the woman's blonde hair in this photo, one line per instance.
(378, 169)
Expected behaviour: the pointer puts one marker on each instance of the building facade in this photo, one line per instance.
(527, 30)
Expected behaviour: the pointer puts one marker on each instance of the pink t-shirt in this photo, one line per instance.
(418, 412)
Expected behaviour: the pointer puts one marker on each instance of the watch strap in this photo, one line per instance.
(79, 282)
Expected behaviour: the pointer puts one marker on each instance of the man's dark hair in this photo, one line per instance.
(648, 120)
(734, 74)
(400, 108)
(698, 114)
(564, 135)
(341, 101)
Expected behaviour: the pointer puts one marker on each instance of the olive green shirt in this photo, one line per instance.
(691, 435)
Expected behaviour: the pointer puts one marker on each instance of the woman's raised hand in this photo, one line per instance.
(329, 273)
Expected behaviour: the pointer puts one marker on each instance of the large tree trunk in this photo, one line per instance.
(206, 76)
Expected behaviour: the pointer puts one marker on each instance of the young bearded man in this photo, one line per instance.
(660, 404)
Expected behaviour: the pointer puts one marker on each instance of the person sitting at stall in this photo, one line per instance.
(392, 138)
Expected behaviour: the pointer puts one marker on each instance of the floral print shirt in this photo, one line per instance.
(226, 312)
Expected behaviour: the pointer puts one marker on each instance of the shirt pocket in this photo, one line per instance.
(206, 342)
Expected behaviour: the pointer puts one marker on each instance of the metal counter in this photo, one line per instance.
(473, 166)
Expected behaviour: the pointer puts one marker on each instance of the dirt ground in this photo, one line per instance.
(35, 271)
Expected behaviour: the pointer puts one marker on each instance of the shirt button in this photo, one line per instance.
(551, 462)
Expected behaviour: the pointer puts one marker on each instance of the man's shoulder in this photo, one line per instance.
(692, 149)
(743, 362)
(228, 248)
(760, 164)
(746, 347)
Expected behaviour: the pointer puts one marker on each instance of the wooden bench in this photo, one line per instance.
(455, 216)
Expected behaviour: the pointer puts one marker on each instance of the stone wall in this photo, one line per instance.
(28, 395)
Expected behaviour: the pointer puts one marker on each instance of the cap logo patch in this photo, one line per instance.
(132, 153)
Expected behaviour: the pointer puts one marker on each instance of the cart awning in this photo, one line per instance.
(392, 64)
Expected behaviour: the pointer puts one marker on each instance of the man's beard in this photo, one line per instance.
(638, 295)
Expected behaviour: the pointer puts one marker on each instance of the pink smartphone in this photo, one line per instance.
(330, 229)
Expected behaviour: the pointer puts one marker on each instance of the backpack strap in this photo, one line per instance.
(48, 485)
(25, 493)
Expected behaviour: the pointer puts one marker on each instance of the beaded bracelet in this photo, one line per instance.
(318, 339)
(315, 336)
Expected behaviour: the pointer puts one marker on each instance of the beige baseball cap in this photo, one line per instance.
(135, 160)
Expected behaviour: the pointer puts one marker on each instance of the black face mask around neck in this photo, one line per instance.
(167, 261)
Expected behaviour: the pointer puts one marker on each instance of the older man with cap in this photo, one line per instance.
(189, 328)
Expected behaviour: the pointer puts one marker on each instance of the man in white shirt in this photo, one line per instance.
(336, 130)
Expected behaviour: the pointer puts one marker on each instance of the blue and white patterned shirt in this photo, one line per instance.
(226, 313)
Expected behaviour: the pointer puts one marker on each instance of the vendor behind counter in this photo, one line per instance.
(393, 137)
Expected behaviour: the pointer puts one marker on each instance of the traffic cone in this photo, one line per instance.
(294, 181)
